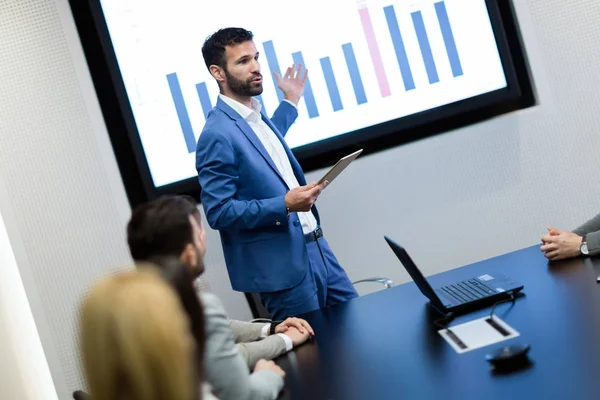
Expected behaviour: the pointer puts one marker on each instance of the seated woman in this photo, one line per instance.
(136, 340)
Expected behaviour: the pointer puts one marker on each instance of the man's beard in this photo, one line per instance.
(244, 88)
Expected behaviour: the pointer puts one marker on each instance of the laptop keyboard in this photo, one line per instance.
(467, 291)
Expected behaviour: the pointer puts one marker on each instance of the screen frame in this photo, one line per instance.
(126, 142)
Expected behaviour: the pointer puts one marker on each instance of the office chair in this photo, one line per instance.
(81, 395)
(387, 282)
(260, 313)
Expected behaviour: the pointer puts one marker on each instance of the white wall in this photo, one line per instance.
(453, 199)
(24, 371)
(63, 203)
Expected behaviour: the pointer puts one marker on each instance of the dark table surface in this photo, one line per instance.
(385, 345)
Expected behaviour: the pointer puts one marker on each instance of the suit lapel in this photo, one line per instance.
(250, 135)
(294, 163)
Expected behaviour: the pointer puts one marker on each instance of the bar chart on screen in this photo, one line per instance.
(368, 62)
(417, 36)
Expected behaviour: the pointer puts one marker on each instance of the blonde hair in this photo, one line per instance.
(135, 340)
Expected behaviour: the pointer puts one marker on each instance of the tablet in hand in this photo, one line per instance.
(339, 167)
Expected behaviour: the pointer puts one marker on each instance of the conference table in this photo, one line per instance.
(385, 345)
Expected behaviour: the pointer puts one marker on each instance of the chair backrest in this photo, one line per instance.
(81, 395)
(260, 312)
(256, 307)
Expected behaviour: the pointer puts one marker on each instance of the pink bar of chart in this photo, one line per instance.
(367, 24)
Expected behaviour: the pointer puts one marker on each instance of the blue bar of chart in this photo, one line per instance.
(332, 87)
(273, 65)
(204, 98)
(182, 113)
(400, 50)
(442, 14)
(425, 47)
(357, 84)
(309, 97)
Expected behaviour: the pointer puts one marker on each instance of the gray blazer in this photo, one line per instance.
(247, 335)
(592, 231)
(225, 368)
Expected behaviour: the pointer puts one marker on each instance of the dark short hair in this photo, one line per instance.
(213, 49)
(161, 227)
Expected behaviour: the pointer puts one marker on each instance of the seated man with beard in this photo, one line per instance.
(172, 227)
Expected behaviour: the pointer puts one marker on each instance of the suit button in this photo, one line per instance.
(296, 223)
(277, 223)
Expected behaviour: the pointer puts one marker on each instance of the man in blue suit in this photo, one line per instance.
(254, 191)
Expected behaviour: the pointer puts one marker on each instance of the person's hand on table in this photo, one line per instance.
(558, 244)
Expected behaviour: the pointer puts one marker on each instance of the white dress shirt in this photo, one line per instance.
(274, 148)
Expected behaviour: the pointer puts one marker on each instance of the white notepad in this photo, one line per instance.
(478, 333)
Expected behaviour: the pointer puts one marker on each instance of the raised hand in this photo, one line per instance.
(292, 82)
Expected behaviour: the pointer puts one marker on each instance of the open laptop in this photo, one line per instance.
(461, 297)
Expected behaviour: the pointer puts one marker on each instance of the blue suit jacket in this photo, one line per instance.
(243, 197)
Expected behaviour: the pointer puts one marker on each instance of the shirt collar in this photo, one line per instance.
(249, 114)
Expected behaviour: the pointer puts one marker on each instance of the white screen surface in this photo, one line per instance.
(369, 61)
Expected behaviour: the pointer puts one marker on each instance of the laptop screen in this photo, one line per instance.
(414, 273)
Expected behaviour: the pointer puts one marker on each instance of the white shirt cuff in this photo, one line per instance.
(287, 101)
(265, 331)
(289, 345)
